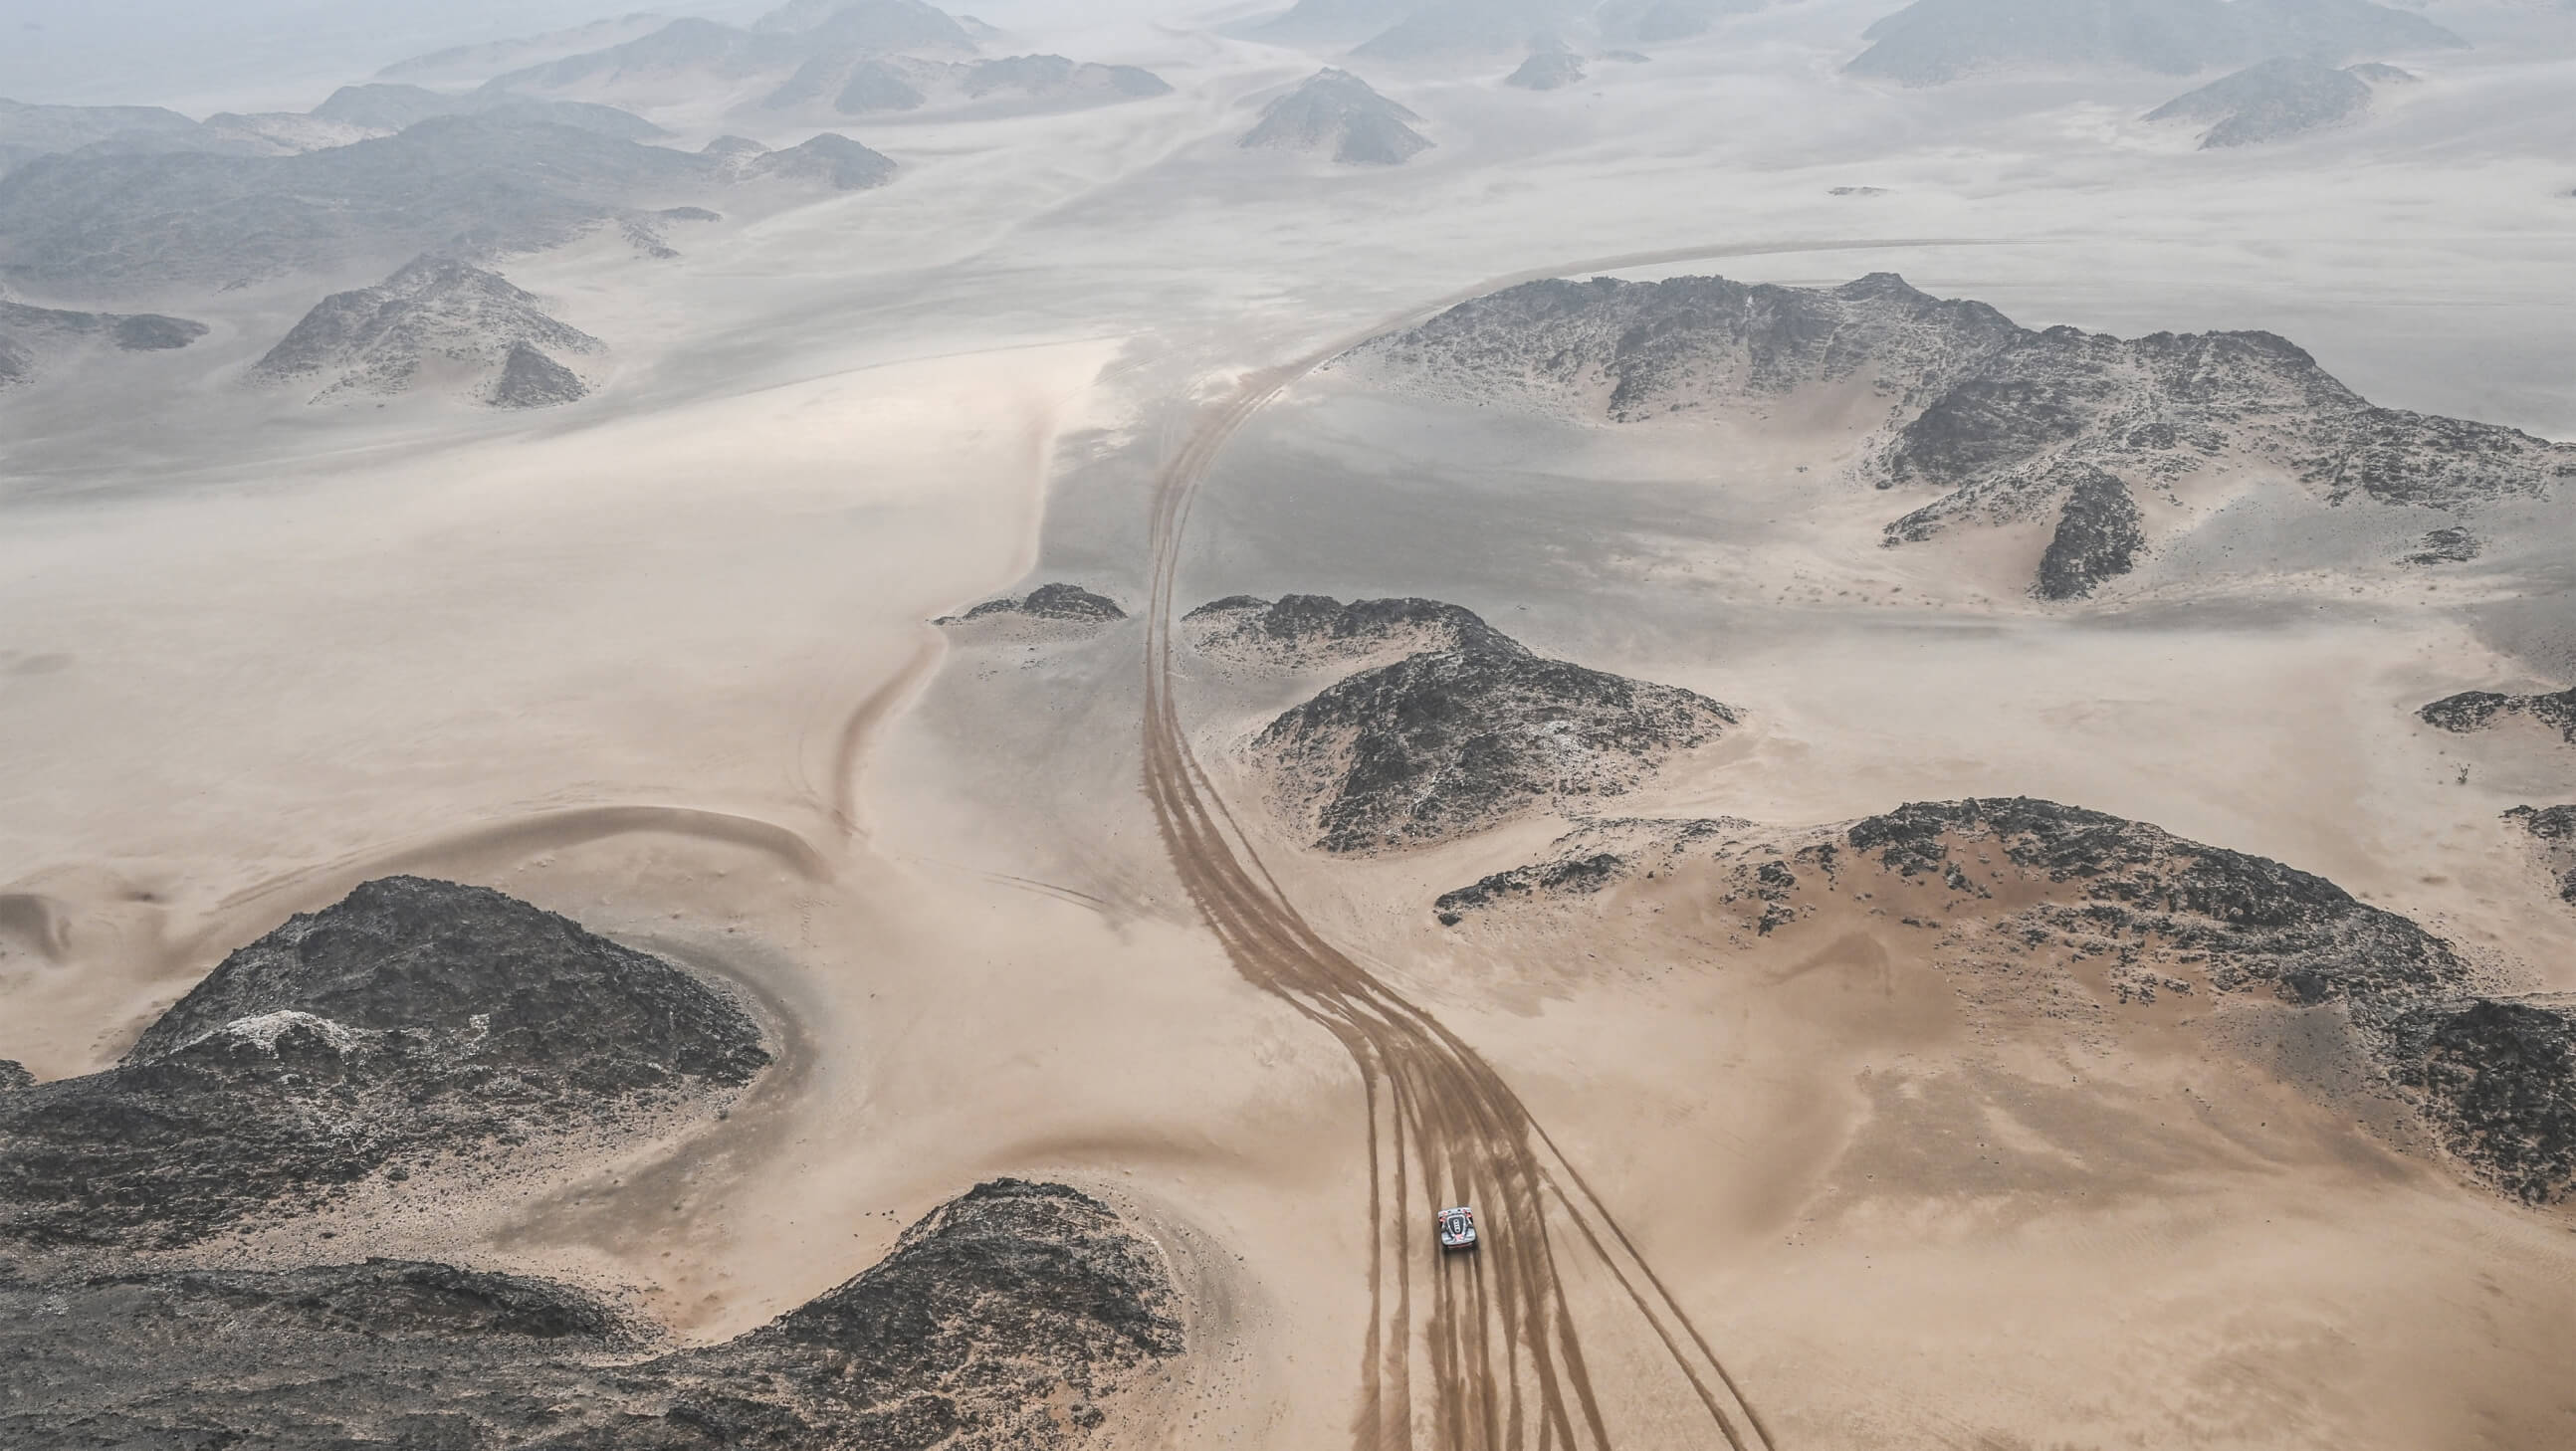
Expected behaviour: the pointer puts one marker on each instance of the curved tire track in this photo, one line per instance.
(1499, 1351)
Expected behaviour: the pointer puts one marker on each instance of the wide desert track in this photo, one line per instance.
(1487, 1353)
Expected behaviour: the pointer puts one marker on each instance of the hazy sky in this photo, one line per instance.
(199, 55)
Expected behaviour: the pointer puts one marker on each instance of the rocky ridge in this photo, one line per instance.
(2006, 422)
(440, 315)
(1305, 632)
(1449, 741)
(30, 336)
(2037, 910)
(2274, 100)
(411, 1023)
(1933, 42)
(1337, 111)
(1059, 603)
(1005, 1318)
(2552, 830)
(2477, 710)
(1419, 31)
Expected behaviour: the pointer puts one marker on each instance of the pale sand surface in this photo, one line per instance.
(661, 664)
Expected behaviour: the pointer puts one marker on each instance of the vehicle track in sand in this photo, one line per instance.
(1487, 1356)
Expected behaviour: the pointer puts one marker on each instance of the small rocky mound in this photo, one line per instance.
(2099, 535)
(1451, 741)
(437, 316)
(2497, 1079)
(1593, 857)
(1062, 603)
(1337, 110)
(2445, 546)
(414, 1020)
(530, 379)
(2271, 100)
(1300, 632)
(1003, 1319)
(2552, 830)
(1548, 70)
(31, 335)
(2477, 710)
(828, 160)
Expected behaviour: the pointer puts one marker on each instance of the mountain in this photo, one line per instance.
(2012, 426)
(1305, 632)
(1337, 110)
(1452, 740)
(1419, 31)
(884, 27)
(1547, 70)
(30, 337)
(848, 84)
(2272, 101)
(387, 108)
(2478, 710)
(27, 132)
(2063, 924)
(474, 64)
(1931, 42)
(436, 320)
(1010, 1316)
(410, 1023)
(485, 184)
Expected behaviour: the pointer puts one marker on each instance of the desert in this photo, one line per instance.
(858, 726)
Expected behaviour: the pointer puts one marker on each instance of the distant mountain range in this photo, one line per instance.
(1440, 30)
(1931, 42)
(498, 181)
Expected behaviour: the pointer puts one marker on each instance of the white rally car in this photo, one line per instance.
(1457, 1228)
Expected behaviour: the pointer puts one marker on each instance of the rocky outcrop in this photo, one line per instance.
(1304, 632)
(1931, 42)
(1009, 1317)
(1451, 741)
(831, 160)
(2497, 1081)
(413, 1022)
(2098, 538)
(1547, 70)
(1953, 396)
(1064, 604)
(2445, 546)
(437, 316)
(30, 337)
(2552, 830)
(2055, 921)
(1338, 112)
(2477, 710)
(2272, 101)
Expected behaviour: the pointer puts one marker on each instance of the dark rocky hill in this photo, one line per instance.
(389, 107)
(32, 336)
(2005, 422)
(1004, 1319)
(1337, 112)
(2477, 710)
(412, 1022)
(2272, 100)
(865, 83)
(439, 313)
(1934, 41)
(2057, 920)
(1057, 603)
(1547, 70)
(1303, 632)
(2552, 830)
(27, 132)
(1453, 740)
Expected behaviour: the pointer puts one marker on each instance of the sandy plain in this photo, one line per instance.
(662, 664)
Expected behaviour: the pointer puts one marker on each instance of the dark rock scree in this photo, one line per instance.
(412, 1021)
(999, 1320)
(2477, 710)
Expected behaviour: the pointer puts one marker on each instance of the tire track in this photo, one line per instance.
(1499, 1346)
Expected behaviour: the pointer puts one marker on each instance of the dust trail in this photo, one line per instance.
(1501, 1352)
